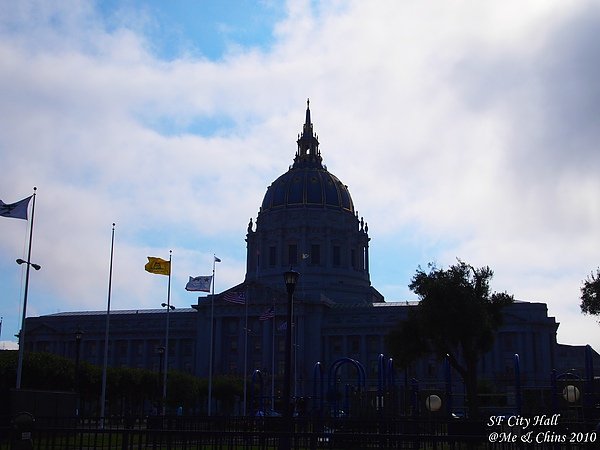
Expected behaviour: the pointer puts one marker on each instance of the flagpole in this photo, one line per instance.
(166, 362)
(273, 360)
(246, 331)
(22, 332)
(105, 365)
(210, 356)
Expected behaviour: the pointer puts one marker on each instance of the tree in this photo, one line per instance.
(590, 294)
(457, 317)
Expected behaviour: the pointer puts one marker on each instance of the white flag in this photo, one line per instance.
(201, 283)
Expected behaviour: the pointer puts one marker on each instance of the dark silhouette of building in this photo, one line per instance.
(307, 221)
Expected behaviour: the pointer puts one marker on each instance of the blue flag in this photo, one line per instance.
(16, 210)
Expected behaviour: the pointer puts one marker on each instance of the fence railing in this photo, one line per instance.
(269, 433)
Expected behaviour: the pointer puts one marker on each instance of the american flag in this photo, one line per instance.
(268, 314)
(235, 297)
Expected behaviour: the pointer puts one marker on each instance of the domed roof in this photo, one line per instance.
(307, 183)
(307, 187)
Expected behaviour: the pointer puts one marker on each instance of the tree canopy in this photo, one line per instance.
(129, 390)
(457, 317)
(590, 294)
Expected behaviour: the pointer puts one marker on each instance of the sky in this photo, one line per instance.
(463, 129)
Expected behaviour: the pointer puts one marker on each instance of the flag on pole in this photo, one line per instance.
(201, 283)
(16, 210)
(158, 266)
(217, 259)
(235, 297)
(268, 314)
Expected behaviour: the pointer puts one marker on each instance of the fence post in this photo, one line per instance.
(518, 384)
(125, 439)
(554, 391)
(448, 386)
(588, 401)
(415, 396)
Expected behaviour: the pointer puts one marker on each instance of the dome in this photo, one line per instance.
(307, 183)
(307, 221)
(307, 187)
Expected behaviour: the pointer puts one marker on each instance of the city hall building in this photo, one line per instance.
(307, 220)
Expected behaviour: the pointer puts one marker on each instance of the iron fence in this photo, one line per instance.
(270, 433)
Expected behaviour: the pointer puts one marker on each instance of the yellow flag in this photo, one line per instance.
(158, 266)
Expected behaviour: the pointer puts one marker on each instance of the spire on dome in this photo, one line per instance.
(308, 146)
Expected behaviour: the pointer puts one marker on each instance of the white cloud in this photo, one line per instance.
(441, 118)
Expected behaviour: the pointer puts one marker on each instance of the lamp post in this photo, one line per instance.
(78, 336)
(22, 332)
(291, 278)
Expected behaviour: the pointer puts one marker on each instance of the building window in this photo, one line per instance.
(138, 348)
(292, 254)
(336, 256)
(336, 345)
(315, 254)
(281, 345)
(187, 347)
(233, 345)
(122, 349)
(431, 369)
(91, 349)
(373, 344)
(232, 326)
(256, 344)
(355, 345)
(509, 367)
(373, 368)
(272, 256)
(255, 326)
(508, 341)
(172, 348)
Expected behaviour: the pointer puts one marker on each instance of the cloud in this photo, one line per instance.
(464, 130)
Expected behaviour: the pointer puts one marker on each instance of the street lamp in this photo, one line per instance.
(291, 278)
(22, 331)
(571, 393)
(78, 337)
(433, 403)
(170, 306)
(22, 261)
